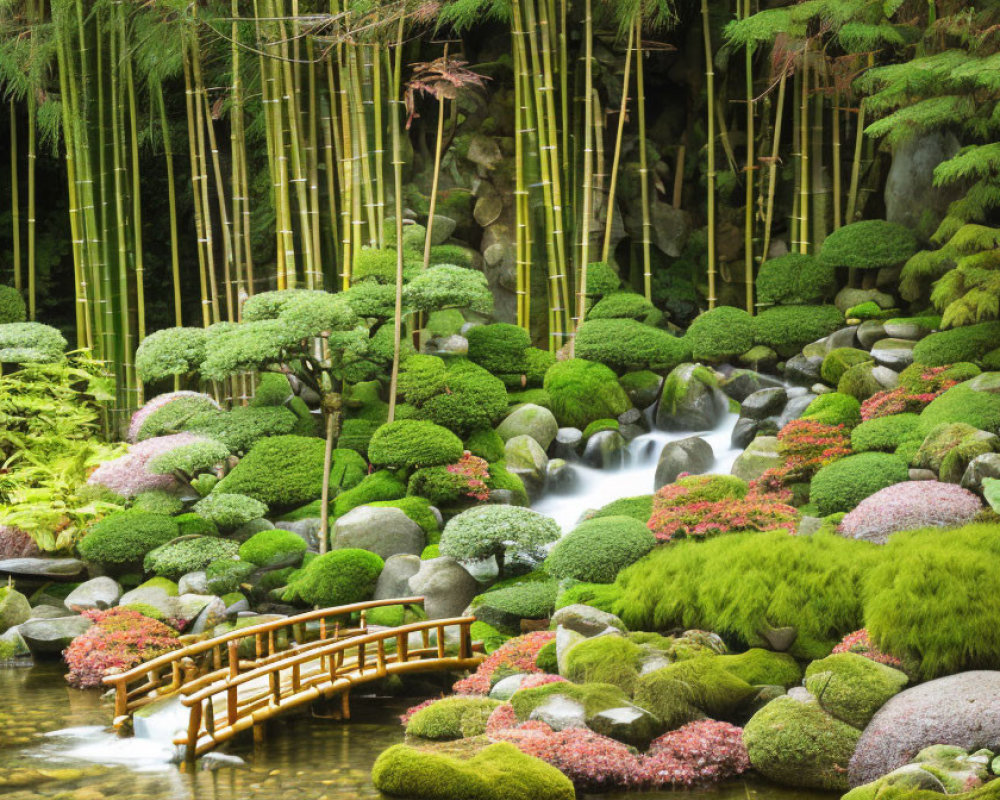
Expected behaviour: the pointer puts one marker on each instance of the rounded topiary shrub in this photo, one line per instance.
(884, 433)
(970, 343)
(626, 305)
(841, 359)
(496, 530)
(380, 485)
(840, 486)
(169, 413)
(625, 344)
(180, 557)
(869, 244)
(158, 501)
(169, 352)
(834, 408)
(499, 348)
(598, 549)
(338, 578)
(31, 343)
(377, 265)
(962, 403)
(795, 279)
(460, 396)
(414, 443)
(787, 329)
(273, 548)
(12, 308)
(121, 540)
(240, 428)
(229, 511)
(720, 334)
(582, 391)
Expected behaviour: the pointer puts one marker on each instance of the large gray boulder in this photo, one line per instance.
(586, 620)
(911, 197)
(605, 450)
(47, 638)
(99, 593)
(447, 587)
(962, 710)
(692, 454)
(690, 400)
(742, 383)
(53, 569)
(763, 403)
(560, 712)
(893, 353)
(630, 724)
(385, 531)
(761, 454)
(193, 583)
(530, 420)
(394, 580)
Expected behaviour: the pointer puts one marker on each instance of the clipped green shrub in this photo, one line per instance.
(372, 263)
(602, 279)
(30, 343)
(337, 578)
(598, 549)
(170, 352)
(949, 447)
(120, 541)
(356, 434)
(538, 363)
(884, 433)
(272, 389)
(229, 511)
(962, 404)
(240, 428)
(380, 485)
(743, 584)
(12, 307)
(625, 344)
(460, 396)
(498, 531)
(834, 408)
(720, 334)
(582, 391)
(372, 300)
(227, 575)
(414, 443)
(177, 558)
(505, 607)
(158, 501)
(639, 508)
(787, 329)
(188, 460)
(448, 286)
(869, 244)
(444, 323)
(273, 548)
(452, 718)
(192, 524)
(795, 279)
(485, 443)
(605, 659)
(499, 348)
(170, 413)
(840, 486)
(841, 359)
(970, 343)
(851, 687)
(626, 305)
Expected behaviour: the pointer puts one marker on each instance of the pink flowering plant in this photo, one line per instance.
(515, 655)
(128, 475)
(860, 643)
(475, 471)
(182, 405)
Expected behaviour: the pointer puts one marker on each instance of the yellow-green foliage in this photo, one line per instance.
(604, 659)
(598, 549)
(760, 667)
(414, 443)
(884, 433)
(627, 344)
(970, 343)
(595, 697)
(933, 599)
(742, 584)
(498, 772)
(786, 329)
(720, 334)
(840, 486)
(691, 689)
(582, 391)
(834, 408)
(337, 578)
(639, 508)
(452, 718)
(962, 404)
(795, 279)
(121, 540)
(851, 687)
(838, 361)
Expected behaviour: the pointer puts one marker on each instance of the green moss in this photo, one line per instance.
(834, 408)
(840, 486)
(866, 310)
(599, 425)
(489, 636)
(374, 264)
(538, 397)
(626, 305)
(157, 501)
(381, 485)
(851, 687)
(627, 344)
(595, 697)
(795, 279)
(884, 433)
(603, 596)
(869, 244)
(227, 575)
(720, 334)
(356, 434)
(962, 404)
(230, 511)
(12, 307)
(688, 690)
(417, 509)
(537, 364)
(452, 718)
(188, 460)
(174, 414)
(444, 323)
(504, 608)
(970, 343)
(431, 551)
(499, 348)
(745, 583)
(639, 508)
(498, 772)
(337, 578)
(949, 448)
(760, 667)
(838, 361)
(121, 540)
(192, 524)
(485, 443)
(582, 391)
(798, 744)
(414, 443)
(174, 559)
(273, 389)
(505, 480)
(598, 549)
(605, 659)
(787, 329)
(273, 548)
(641, 383)
(453, 254)
(240, 428)
(602, 279)
(460, 396)
(859, 382)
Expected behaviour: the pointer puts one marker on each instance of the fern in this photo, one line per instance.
(922, 116)
(860, 37)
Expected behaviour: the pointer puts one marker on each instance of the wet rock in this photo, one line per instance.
(504, 689)
(53, 569)
(586, 620)
(631, 417)
(382, 530)
(394, 580)
(795, 408)
(47, 638)
(560, 712)
(14, 608)
(631, 725)
(690, 400)
(605, 450)
(524, 453)
(13, 644)
(817, 349)
(986, 465)
(155, 595)
(986, 382)
(917, 474)
(869, 332)
(100, 593)
(193, 583)
(248, 529)
(567, 444)
(566, 639)
(763, 403)
(44, 611)
(212, 614)
(447, 587)
(848, 298)
(530, 420)
(213, 761)
(893, 353)
(845, 337)
(744, 432)
(803, 369)
(760, 456)
(911, 197)
(887, 378)
(741, 383)
(560, 477)
(692, 454)
(759, 357)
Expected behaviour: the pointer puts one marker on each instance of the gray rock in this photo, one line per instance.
(385, 531)
(605, 450)
(644, 396)
(567, 444)
(692, 454)
(760, 456)
(47, 638)
(560, 477)
(530, 420)
(893, 353)
(99, 593)
(911, 197)
(848, 298)
(869, 332)
(795, 408)
(504, 689)
(922, 474)
(809, 525)
(905, 330)
(887, 378)
(211, 762)
(306, 529)
(394, 580)
(447, 587)
(45, 611)
(248, 529)
(913, 777)
(759, 357)
(237, 606)
(845, 337)
(961, 710)
(780, 639)
(454, 345)
(744, 432)
(631, 725)
(742, 383)
(986, 382)
(560, 712)
(763, 403)
(189, 607)
(690, 401)
(53, 569)
(585, 620)
(523, 452)
(566, 640)
(193, 583)
(803, 369)
(986, 465)
(820, 388)
(631, 417)
(817, 349)
(14, 608)
(155, 596)
(212, 614)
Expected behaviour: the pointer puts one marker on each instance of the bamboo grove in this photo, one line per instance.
(281, 131)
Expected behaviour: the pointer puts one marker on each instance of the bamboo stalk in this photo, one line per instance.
(837, 165)
(397, 179)
(438, 147)
(640, 82)
(15, 200)
(616, 158)
(710, 79)
(852, 192)
(751, 165)
(773, 167)
(804, 181)
(588, 162)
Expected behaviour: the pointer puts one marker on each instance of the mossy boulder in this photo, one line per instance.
(834, 408)
(839, 360)
(642, 387)
(760, 667)
(529, 420)
(608, 659)
(414, 443)
(691, 400)
(787, 329)
(452, 718)
(795, 279)
(582, 391)
(949, 447)
(337, 578)
(720, 334)
(969, 343)
(598, 549)
(273, 549)
(14, 608)
(692, 689)
(860, 382)
(851, 687)
(840, 486)
(121, 540)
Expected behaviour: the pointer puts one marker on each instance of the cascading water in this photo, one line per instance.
(593, 488)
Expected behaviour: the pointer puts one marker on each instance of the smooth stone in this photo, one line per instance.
(742, 383)
(585, 620)
(689, 401)
(844, 337)
(13, 641)
(237, 606)
(869, 332)
(155, 596)
(504, 689)
(188, 607)
(442, 229)
(193, 583)
(211, 762)
(306, 529)
(848, 297)
(248, 529)
(630, 725)
(560, 712)
(763, 403)
(523, 452)
(45, 611)
(820, 388)
(691, 454)
(817, 349)
(913, 777)
(780, 639)
(99, 593)
(49, 637)
(886, 377)
(986, 382)
(760, 456)
(809, 525)
(385, 531)
(394, 580)
(986, 465)
(54, 569)
(212, 614)
(632, 432)
(566, 640)
(446, 586)
(759, 357)
(795, 408)
(14, 608)
(893, 353)
(567, 444)
(605, 450)
(530, 420)
(744, 432)
(922, 474)
(803, 369)
(560, 477)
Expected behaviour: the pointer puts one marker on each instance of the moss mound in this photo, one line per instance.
(884, 434)
(970, 343)
(838, 361)
(582, 391)
(834, 408)
(598, 549)
(688, 690)
(639, 508)
(840, 486)
(720, 334)
(795, 279)
(869, 244)
(273, 548)
(452, 718)
(121, 540)
(851, 687)
(626, 344)
(174, 559)
(787, 329)
(337, 578)
(414, 443)
(605, 659)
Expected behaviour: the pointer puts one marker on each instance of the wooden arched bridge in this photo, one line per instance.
(242, 679)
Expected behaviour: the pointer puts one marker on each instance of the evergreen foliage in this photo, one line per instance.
(598, 549)
(582, 391)
(625, 344)
(720, 334)
(795, 279)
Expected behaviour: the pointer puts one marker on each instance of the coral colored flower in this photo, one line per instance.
(514, 655)
(859, 642)
(476, 471)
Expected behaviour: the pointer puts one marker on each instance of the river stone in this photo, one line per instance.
(504, 689)
(817, 349)
(210, 762)
(560, 712)
(986, 382)
(586, 620)
(742, 383)
(763, 403)
(743, 433)
(605, 450)
(803, 369)
(155, 595)
(567, 444)
(566, 640)
(248, 529)
(385, 531)
(560, 477)
(306, 529)
(13, 644)
(523, 452)
(869, 332)
(848, 298)
(530, 420)
(913, 777)
(760, 456)
(630, 725)
(690, 400)
(446, 586)
(49, 637)
(213, 613)
(14, 608)
(99, 593)
(692, 454)
(759, 357)
(795, 408)
(193, 583)
(187, 607)
(917, 474)
(893, 353)
(45, 611)
(962, 710)
(841, 338)
(394, 580)
(986, 465)
(887, 378)
(53, 569)
(821, 388)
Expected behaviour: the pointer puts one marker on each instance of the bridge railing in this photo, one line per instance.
(202, 663)
(326, 670)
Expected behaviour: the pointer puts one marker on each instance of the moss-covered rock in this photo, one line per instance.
(273, 549)
(605, 659)
(505, 607)
(380, 485)
(851, 687)
(869, 244)
(582, 391)
(690, 400)
(452, 718)
(834, 408)
(884, 434)
(950, 446)
(720, 334)
(336, 578)
(763, 667)
(970, 343)
(860, 382)
(691, 689)
(841, 359)
(795, 279)
(627, 344)
(177, 558)
(121, 540)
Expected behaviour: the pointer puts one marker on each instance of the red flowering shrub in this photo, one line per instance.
(918, 387)
(118, 640)
(517, 655)
(534, 681)
(859, 642)
(476, 472)
(699, 752)
(502, 718)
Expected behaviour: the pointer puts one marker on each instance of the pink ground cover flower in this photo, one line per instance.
(859, 642)
(156, 404)
(127, 475)
(700, 752)
(517, 655)
(908, 506)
